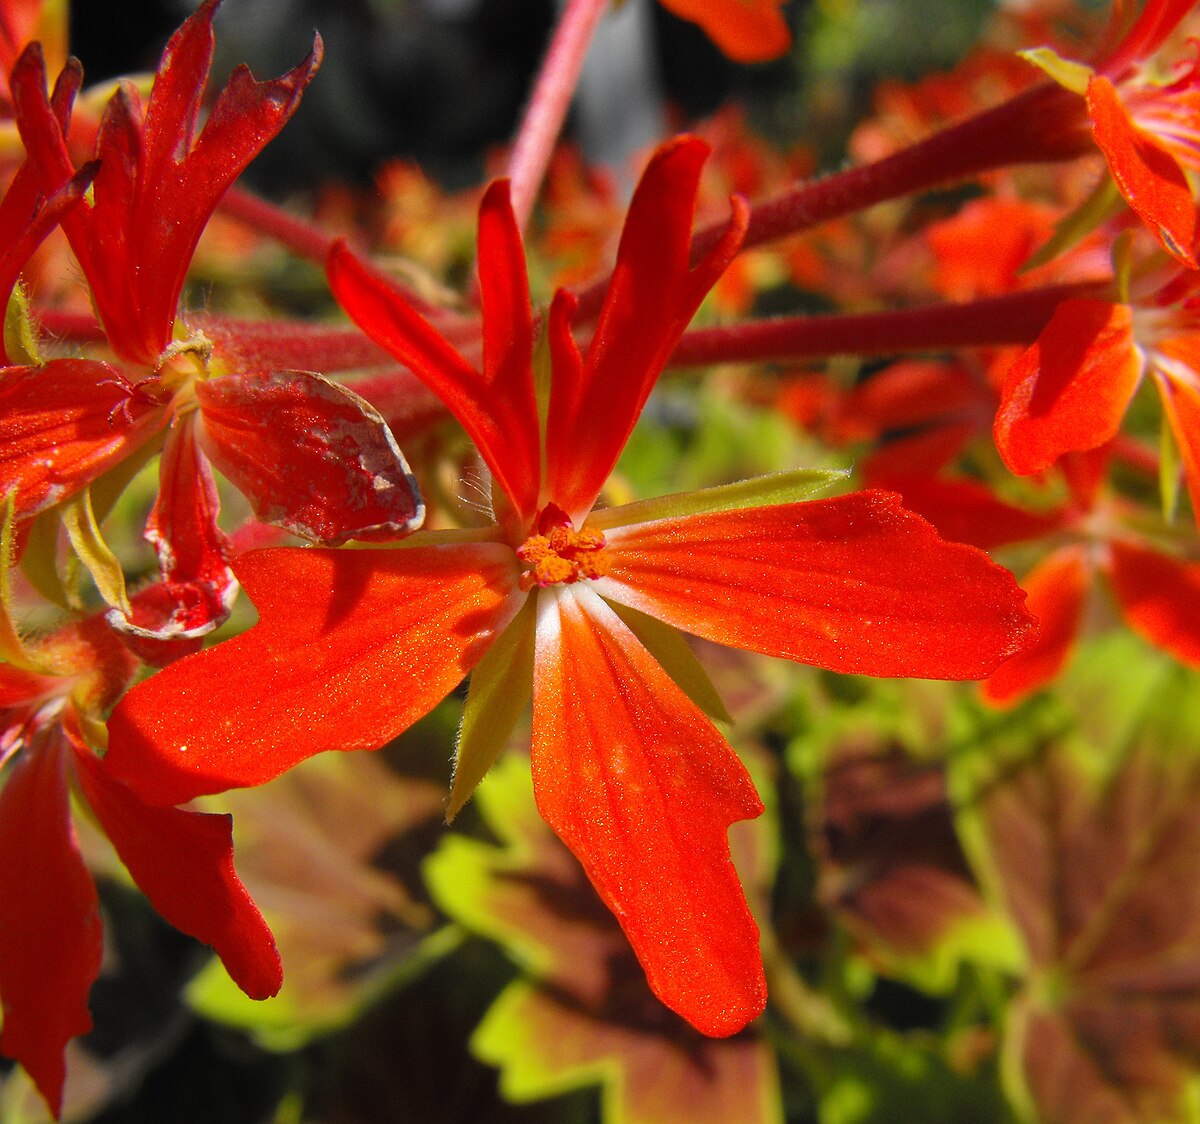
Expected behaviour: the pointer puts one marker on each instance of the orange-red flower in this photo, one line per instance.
(572, 602)
(53, 693)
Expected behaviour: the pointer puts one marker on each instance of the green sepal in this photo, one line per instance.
(1104, 201)
(1170, 471)
(1070, 75)
(499, 690)
(39, 562)
(670, 648)
(20, 336)
(760, 491)
(83, 530)
(12, 648)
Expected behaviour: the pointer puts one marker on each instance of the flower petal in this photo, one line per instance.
(183, 862)
(653, 295)
(310, 455)
(854, 584)
(1160, 597)
(1149, 176)
(1069, 391)
(351, 647)
(745, 30)
(642, 788)
(50, 931)
(1057, 587)
(171, 618)
(62, 425)
(497, 408)
(1181, 404)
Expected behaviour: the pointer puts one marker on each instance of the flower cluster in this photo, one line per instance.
(1017, 332)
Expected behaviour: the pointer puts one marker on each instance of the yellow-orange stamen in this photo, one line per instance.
(560, 554)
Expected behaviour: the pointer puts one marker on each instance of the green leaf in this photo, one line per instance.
(760, 491)
(497, 695)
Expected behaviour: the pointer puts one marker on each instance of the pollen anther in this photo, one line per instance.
(557, 553)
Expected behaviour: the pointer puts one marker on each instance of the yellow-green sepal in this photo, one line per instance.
(500, 688)
(20, 336)
(670, 648)
(12, 647)
(760, 491)
(1102, 204)
(83, 530)
(1070, 75)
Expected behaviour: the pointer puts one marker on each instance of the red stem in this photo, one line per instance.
(549, 102)
(1016, 318)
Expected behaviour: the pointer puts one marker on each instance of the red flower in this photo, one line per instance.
(53, 693)
(280, 437)
(1147, 132)
(1070, 391)
(569, 601)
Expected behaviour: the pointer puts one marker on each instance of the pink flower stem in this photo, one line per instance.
(1043, 124)
(549, 102)
(1016, 318)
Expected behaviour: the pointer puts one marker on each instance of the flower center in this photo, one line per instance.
(557, 553)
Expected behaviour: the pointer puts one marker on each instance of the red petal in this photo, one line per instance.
(854, 584)
(1057, 587)
(1181, 403)
(62, 425)
(1070, 390)
(500, 417)
(1160, 597)
(351, 648)
(183, 862)
(50, 932)
(171, 619)
(642, 788)
(964, 511)
(1149, 177)
(653, 295)
(753, 31)
(310, 455)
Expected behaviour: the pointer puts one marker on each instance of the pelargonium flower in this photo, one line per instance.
(54, 691)
(1070, 390)
(280, 436)
(1147, 131)
(578, 605)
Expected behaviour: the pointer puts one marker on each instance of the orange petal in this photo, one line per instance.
(1160, 597)
(1181, 404)
(183, 862)
(1069, 391)
(642, 788)
(854, 584)
(654, 293)
(1146, 173)
(351, 648)
(745, 30)
(1057, 587)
